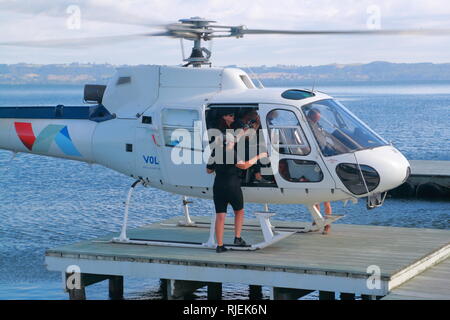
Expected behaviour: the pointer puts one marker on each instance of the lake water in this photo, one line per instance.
(47, 202)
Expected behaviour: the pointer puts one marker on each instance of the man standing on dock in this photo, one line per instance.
(227, 182)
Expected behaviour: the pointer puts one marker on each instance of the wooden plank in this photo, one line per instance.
(433, 284)
(430, 168)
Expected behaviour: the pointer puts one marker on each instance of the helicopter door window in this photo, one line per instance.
(286, 134)
(179, 124)
(294, 170)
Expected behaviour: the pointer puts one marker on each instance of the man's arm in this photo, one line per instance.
(244, 165)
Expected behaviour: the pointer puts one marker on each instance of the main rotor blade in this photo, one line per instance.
(90, 14)
(81, 42)
(239, 31)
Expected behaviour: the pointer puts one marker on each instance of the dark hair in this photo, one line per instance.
(221, 123)
(256, 118)
(312, 113)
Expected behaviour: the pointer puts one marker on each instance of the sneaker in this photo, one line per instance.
(326, 229)
(239, 242)
(220, 249)
(263, 180)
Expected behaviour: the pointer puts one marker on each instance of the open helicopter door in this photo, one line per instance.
(297, 165)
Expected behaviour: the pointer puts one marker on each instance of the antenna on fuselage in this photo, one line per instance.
(255, 76)
(182, 49)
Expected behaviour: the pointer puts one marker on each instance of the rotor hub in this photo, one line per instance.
(195, 29)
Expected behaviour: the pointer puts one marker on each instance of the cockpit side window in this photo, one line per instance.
(286, 133)
(295, 170)
(337, 130)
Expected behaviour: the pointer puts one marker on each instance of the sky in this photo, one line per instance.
(30, 20)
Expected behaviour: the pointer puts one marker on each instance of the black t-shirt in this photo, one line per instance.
(225, 168)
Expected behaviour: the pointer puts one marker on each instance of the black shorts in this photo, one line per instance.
(228, 194)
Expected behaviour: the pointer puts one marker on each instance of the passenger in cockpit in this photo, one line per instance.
(313, 119)
(330, 142)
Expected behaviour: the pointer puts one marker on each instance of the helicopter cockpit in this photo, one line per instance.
(337, 130)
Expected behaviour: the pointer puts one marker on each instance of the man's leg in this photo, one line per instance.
(220, 224)
(238, 222)
(327, 206)
(328, 211)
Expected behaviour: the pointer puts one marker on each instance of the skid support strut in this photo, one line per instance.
(187, 222)
(123, 234)
(319, 220)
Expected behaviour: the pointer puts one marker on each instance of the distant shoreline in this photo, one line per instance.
(272, 83)
(374, 72)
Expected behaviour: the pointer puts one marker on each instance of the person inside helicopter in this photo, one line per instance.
(283, 170)
(254, 143)
(227, 182)
(328, 143)
(337, 130)
(247, 124)
(295, 170)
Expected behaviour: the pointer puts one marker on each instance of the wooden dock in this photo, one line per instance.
(430, 168)
(364, 260)
(433, 284)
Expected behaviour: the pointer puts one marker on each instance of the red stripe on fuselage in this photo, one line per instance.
(25, 132)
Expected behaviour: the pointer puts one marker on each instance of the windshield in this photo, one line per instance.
(337, 130)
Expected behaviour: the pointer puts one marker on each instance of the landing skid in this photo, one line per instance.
(270, 237)
(186, 244)
(271, 234)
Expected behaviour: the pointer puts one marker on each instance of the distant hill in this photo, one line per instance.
(76, 73)
(374, 71)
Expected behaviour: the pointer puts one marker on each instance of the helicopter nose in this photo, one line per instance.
(394, 169)
(383, 169)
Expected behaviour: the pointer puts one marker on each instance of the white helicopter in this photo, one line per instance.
(318, 150)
